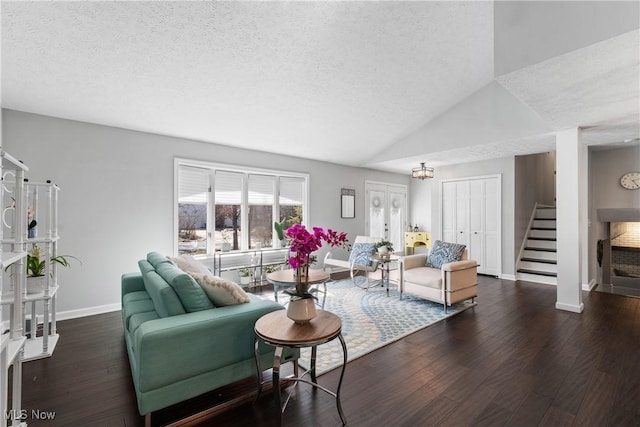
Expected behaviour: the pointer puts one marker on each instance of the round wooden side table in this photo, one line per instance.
(278, 330)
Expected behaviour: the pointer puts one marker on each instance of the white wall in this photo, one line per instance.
(431, 214)
(116, 202)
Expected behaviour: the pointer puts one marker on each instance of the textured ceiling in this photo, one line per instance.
(335, 81)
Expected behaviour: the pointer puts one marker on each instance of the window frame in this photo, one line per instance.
(245, 171)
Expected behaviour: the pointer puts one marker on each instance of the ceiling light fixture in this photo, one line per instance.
(422, 172)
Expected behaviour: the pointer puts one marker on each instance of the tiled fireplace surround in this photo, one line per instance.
(625, 247)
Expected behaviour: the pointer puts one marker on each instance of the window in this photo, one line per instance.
(225, 207)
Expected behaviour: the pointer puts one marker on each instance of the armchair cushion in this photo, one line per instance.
(424, 276)
(444, 252)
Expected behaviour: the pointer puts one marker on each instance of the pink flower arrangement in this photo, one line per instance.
(304, 243)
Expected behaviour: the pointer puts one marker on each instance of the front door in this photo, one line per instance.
(386, 215)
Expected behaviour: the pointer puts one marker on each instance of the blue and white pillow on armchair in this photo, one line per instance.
(444, 252)
(361, 253)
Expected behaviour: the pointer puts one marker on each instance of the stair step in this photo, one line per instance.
(542, 234)
(543, 250)
(538, 267)
(545, 213)
(544, 224)
(542, 260)
(549, 280)
(538, 254)
(541, 244)
(539, 273)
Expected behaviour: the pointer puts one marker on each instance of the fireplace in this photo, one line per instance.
(619, 252)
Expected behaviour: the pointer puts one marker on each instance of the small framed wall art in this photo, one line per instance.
(348, 203)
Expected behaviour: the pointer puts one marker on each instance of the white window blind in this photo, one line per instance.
(291, 191)
(193, 184)
(228, 188)
(261, 189)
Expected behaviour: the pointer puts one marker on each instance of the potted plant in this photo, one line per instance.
(384, 247)
(226, 235)
(301, 307)
(245, 275)
(279, 227)
(36, 268)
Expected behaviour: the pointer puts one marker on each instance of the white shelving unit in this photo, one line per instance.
(12, 342)
(40, 307)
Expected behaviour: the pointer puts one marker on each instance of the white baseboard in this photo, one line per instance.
(90, 311)
(508, 277)
(589, 286)
(569, 307)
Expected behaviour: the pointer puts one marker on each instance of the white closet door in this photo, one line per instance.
(462, 203)
(449, 211)
(491, 251)
(471, 216)
(476, 220)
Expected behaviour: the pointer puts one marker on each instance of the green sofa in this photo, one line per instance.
(176, 354)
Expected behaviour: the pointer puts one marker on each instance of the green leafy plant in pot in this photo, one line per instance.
(384, 247)
(37, 267)
(245, 275)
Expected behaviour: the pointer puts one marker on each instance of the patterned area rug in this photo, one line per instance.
(371, 320)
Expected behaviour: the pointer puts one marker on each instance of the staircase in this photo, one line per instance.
(538, 257)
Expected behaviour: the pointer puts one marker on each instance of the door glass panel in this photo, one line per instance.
(377, 213)
(396, 219)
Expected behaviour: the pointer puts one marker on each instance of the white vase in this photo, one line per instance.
(382, 250)
(36, 284)
(301, 311)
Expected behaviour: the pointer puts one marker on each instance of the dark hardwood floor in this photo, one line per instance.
(513, 360)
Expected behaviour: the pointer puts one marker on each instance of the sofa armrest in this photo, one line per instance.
(413, 261)
(131, 282)
(173, 348)
(459, 265)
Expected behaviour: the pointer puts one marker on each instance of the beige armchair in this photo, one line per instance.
(452, 283)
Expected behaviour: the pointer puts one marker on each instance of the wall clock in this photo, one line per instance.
(630, 181)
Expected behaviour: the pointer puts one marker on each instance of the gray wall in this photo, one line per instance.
(606, 167)
(534, 183)
(117, 197)
(429, 214)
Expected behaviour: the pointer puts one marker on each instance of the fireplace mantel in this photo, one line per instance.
(619, 215)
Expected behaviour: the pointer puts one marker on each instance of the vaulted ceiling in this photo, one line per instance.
(374, 84)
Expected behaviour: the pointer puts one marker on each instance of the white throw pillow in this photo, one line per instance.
(189, 264)
(221, 292)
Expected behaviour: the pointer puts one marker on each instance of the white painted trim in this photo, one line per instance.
(89, 311)
(508, 277)
(569, 307)
(589, 286)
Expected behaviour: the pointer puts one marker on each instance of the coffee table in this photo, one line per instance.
(286, 279)
(278, 330)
